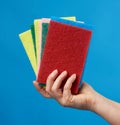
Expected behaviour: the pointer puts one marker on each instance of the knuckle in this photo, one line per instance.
(69, 80)
(53, 89)
(66, 87)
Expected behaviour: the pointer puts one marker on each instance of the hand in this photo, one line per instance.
(85, 98)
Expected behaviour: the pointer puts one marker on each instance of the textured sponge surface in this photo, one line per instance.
(65, 49)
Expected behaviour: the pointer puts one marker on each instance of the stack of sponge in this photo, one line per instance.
(57, 43)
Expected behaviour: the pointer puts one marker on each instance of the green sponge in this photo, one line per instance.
(33, 37)
(44, 34)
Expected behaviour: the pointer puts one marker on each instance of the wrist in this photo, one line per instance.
(97, 101)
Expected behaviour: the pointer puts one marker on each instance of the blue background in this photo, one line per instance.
(20, 103)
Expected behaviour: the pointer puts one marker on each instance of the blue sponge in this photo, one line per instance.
(73, 23)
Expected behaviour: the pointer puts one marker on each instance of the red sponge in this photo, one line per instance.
(65, 49)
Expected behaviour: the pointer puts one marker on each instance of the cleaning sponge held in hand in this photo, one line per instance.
(65, 49)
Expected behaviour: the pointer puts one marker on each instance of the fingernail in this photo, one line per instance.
(64, 72)
(74, 76)
(55, 72)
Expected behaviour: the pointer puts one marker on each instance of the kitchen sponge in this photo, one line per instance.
(65, 49)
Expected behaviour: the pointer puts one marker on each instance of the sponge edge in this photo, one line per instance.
(70, 56)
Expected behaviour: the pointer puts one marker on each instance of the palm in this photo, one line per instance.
(84, 99)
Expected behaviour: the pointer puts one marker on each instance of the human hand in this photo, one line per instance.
(85, 98)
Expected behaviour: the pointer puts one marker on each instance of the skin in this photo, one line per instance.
(86, 99)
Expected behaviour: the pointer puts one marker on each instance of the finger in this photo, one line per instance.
(50, 80)
(56, 86)
(41, 90)
(68, 85)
